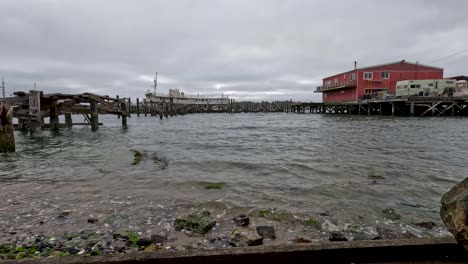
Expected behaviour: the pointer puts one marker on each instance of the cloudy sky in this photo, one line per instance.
(250, 50)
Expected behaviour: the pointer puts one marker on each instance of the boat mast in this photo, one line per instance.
(155, 83)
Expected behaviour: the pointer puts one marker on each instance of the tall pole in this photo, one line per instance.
(155, 83)
(3, 88)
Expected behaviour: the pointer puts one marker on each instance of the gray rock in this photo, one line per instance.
(364, 236)
(241, 220)
(454, 212)
(121, 234)
(93, 220)
(385, 233)
(266, 232)
(161, 239)
(246, 238)
(143, 242)
(337, 236)
(391, 214)
(426, 225)
(73, 250)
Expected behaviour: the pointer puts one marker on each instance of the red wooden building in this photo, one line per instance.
(366, 82)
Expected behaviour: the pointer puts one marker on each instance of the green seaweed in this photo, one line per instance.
(188, 247)
(312, 222)
(133, 238)
(136, 157)
(199, 223)
(376, 177)
(214, 186)
(95, 252)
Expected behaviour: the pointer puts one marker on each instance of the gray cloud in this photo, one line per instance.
(251, 50)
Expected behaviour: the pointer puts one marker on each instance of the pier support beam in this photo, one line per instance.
(412, 109)
(7, 137)
(138, 107)
(68, 120)
(368, 109)
(118, 115)
(123, 108)
(129, 108)
(35, 124)
(94, 115)
(393, 109)
(53, 117)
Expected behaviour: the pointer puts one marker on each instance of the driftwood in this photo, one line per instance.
(7, 137)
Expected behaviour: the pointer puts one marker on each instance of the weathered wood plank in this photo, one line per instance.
(7, 137)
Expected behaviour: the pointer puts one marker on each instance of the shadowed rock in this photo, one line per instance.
(454, 212)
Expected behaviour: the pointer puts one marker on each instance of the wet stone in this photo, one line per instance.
(364, 236)
(143, 242)
(337, 236)
(121, 235)
(93, 220)
(73, 250)
(246, 238)
(454, 212)
(301, 240)
(385, 233)
(241, 220)
(220, 242)
(159, 239)
(426, 225)
(266, 232)
(391, 214)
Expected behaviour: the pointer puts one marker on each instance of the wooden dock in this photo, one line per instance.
(30, 109)
(411, 106)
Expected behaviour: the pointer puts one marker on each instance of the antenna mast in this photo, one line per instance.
(155, 83)
(3, 88)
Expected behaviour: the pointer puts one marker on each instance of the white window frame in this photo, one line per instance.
(371, 74)
(335, 81)
(385, 78)
(352, 77)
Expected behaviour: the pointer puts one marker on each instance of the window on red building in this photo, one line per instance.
(385, 75)
(368, 75)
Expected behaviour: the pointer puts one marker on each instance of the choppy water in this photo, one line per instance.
(348, 167)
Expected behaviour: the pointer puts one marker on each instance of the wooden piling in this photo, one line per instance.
(123, 108)
(171, 105)
(7, 137)
(53, 117)
(138, 107)
(35, 124)
(118, 115)
(129, 108)
(94, 115)
(68, 120)
(393, 109)
(412, 109)
(145, 107)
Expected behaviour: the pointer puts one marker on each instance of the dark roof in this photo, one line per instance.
(459, 78)
(402, 61)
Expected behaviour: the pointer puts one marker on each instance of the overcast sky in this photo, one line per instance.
(248, 49)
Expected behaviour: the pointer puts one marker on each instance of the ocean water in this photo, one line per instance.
(348, 169)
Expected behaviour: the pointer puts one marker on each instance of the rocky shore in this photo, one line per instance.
(205, 226)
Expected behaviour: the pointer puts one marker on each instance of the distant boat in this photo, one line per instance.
(177, 97)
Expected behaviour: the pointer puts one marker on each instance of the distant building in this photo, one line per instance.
(366, 82)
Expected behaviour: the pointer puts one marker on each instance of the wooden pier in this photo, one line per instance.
(31, 108)
(411, 106)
